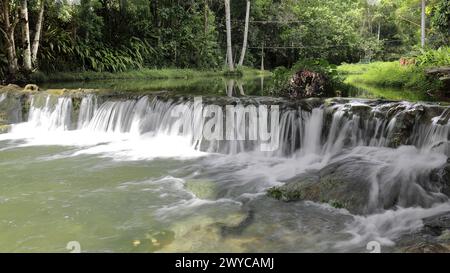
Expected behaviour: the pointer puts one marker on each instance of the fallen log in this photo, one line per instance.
(438, 70)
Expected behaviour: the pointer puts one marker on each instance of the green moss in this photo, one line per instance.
(275, 192)
(336, 204)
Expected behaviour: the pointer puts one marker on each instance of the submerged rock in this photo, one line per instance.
(203, 189)
(433, 237)
(368, 180)
(343, 184)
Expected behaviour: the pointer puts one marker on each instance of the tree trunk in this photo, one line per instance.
(25, 36)
(244, 44)
(123, 7)
(206, 16)
(262, 57)
(228, 25)
(379, 31)
(37, 34)
(8, 31)
(422, 36)
(155, 13)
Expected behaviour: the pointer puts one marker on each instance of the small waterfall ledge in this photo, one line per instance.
(363, 155)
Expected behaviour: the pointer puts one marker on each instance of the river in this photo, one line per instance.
(117, 174)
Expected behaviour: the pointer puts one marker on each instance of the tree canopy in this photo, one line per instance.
(118, 35)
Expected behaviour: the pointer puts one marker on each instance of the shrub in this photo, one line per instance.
(281, 75)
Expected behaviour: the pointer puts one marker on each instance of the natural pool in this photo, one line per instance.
(116, 175)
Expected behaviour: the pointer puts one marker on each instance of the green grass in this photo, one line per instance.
(195, 86)
(352, 69)
(146, 73)
(355, 89)
(390, 75)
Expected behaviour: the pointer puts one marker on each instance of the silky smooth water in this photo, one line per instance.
(119, 177)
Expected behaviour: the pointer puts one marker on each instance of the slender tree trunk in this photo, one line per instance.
(379, 31)
(422, 38)
(206, 16)
(25, 35)
(228, 25)
(230, 88)
(123, 7)
(8, 31)
(241, 88)
(262, 57)
(244, 44)
(37, 34)
(155, 13)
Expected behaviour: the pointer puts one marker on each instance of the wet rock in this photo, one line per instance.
(5, 129)
(437, 225)
(441, 177)
(433, 237)
(361, 110)
(10, 109)
(343, 184)
(10, 87)
(406, 118)
(31, 88)
(425, 247)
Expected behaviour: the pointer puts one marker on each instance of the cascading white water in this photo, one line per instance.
(53, 115)
(147, 128)
(88, 107)
(323, 131)
(394, 147)
(3, 96)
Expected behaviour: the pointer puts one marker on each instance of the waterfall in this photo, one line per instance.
(388, 158)
(87, 109)
(324, 130)
(53, 115)
(395, 147)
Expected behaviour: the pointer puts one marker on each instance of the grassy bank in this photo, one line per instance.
(392, 75)
(411, 77)
(143, 74)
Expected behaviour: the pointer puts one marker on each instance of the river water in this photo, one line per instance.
(117, 175)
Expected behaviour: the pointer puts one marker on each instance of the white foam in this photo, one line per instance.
(389, 225)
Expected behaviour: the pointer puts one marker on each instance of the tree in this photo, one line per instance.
(440, 23)
(422, 24)
(9, 21)
(228, 26)
(37, 34)
(244, 44)
(12, 13)
(25, 36)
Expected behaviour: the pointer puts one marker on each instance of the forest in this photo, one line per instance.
(43, 36)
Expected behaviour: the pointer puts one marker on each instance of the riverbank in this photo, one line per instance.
(144, 74)
(391, 75)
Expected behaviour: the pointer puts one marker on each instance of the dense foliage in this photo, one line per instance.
(119, 35)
